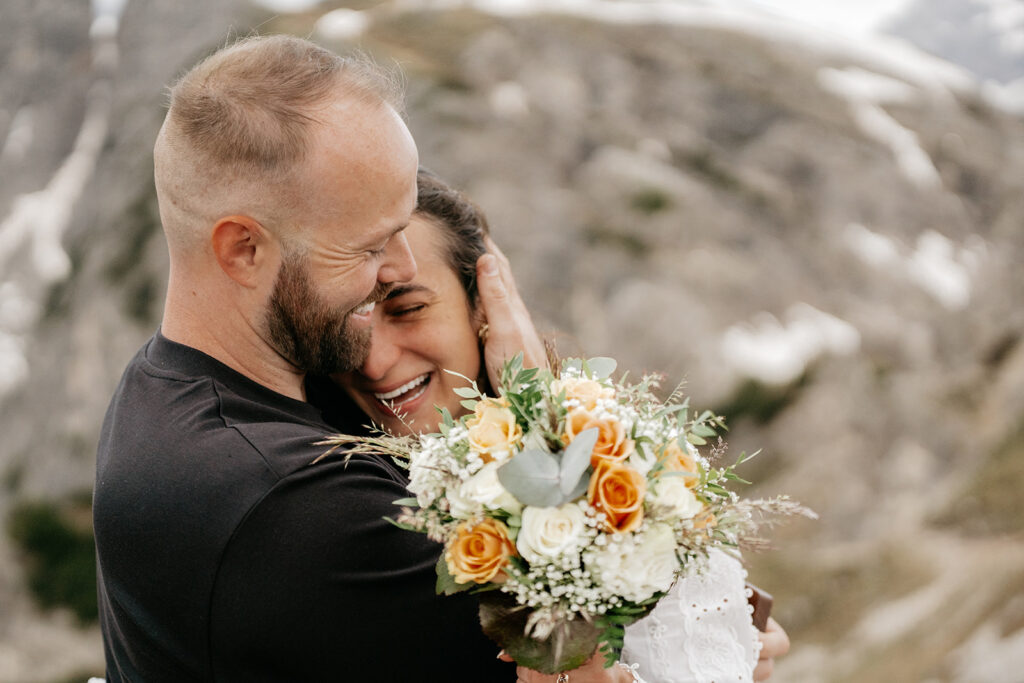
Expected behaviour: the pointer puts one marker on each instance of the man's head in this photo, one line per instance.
(285, 174)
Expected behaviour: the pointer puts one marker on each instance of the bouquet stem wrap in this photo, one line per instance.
(549, 644)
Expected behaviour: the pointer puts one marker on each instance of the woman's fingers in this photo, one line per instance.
(505, 270)
(510, 327)
(774, 643)
(763, 670)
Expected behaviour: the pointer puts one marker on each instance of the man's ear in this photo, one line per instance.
(241, 246)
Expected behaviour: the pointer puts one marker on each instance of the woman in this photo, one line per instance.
(433, 327)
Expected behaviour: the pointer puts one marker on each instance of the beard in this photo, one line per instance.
(305, 330)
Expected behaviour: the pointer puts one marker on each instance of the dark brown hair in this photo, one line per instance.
(462, 223)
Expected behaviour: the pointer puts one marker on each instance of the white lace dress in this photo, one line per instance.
(701, 632)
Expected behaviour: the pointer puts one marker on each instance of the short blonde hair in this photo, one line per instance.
(242, 118)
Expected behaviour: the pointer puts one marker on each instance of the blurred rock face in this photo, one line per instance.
(822, 243)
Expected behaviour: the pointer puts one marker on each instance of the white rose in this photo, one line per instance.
(640, 567)
(460, 506)
(547, 533)
(484, 488)
(671, 491)
(641, 461)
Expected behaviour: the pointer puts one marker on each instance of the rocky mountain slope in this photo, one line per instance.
(822, 239)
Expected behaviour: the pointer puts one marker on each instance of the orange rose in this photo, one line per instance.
(586, 391)
(479, 551)
(493, 429)
(705, 520)
(617, 491)
(676, 459)
(612, 443)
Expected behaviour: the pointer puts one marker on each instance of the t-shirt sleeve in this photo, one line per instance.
(316, 585)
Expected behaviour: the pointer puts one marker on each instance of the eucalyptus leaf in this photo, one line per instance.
(576, 460)
(407, 502)
(468, 404)
(572, 364)
(579, 489)
(602, 366)
(533, 477)
(466, 392)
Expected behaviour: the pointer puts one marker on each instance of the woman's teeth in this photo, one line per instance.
(405, 388)
(365, 309)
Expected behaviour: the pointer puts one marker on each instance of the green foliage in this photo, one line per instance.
(521, 389)
(446, 583)
(613, 625)
(717, 174)
(650, 201)
(60, 554)
(761, 402)
(619, 239)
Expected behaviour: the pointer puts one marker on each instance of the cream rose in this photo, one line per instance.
(675, 459)
(484, 489)
(639, 569)
(493, 430)
(547, 533)
(673, 492)
(586, 392)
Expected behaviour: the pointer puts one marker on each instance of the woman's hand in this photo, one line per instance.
(510, 328)
(774, 643)
(592, 671)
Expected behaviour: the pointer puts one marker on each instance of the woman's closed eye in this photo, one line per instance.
(406, 310)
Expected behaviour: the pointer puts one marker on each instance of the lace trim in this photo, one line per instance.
(701, 632)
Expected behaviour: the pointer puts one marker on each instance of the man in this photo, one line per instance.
(285, 176)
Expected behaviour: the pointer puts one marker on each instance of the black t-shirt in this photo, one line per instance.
(225, 555)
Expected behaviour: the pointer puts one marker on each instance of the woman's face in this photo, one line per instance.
(424, 327)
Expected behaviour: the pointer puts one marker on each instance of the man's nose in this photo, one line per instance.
(399, 264)
(383, 355)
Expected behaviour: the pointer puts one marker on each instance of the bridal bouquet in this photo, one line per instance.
(571, 502)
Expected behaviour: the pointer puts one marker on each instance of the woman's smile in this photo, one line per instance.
(400, 400)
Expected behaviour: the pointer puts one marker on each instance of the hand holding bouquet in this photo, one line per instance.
(571, 503)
